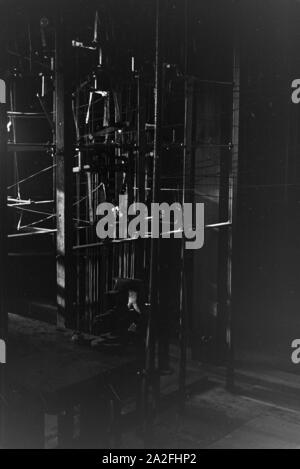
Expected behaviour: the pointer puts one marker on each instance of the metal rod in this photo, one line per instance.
(215, 82)
(20, 235)
(104, 243)
(28, 147)
(31, 176)
(141, 104)
(30, 115)
(46, 112)
(232, 207)
(183, 323)
(151, 335)
(219, 225)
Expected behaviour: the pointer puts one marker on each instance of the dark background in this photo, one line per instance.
(267, 253)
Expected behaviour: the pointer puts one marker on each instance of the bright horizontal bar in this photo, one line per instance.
(32, 233)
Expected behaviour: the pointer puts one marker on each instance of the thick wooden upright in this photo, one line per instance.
(64, 164)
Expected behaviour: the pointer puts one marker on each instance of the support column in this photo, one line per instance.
(3, 257)
(64, 164)
(232, 209)
(151, 378)
(186, 257)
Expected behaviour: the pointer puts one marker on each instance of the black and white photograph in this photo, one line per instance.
(149, 228)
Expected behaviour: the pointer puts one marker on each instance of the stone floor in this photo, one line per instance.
(218, 419)
(264, 411)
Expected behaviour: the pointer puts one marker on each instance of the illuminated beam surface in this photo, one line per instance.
(63, 105)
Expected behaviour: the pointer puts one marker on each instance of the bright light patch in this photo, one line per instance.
(2, 92)
(2, 351)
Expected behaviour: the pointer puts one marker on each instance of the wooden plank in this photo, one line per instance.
(64, 154)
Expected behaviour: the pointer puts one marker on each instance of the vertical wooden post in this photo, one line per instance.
(151, 378)
(220, 351)
(64, 160)
(186, 184)
(232, 208)
(3, 256)
(3, 231)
